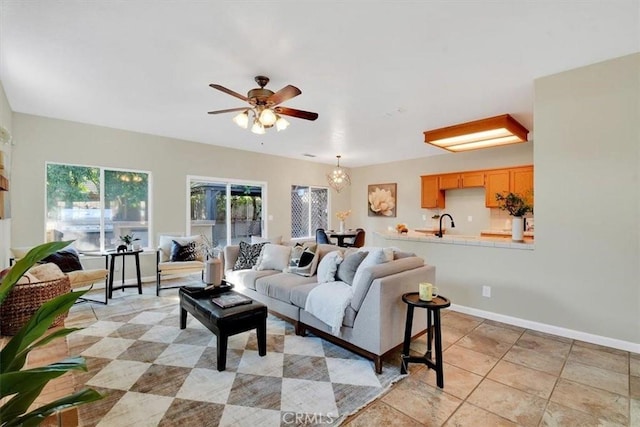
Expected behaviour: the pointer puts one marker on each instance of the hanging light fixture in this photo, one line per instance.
(242, 119)
(485, 133)
(257, 127)
(338, 178)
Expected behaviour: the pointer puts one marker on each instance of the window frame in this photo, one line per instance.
(149, 221)
(312, 232)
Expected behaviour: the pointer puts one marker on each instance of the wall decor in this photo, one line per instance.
(381, 200)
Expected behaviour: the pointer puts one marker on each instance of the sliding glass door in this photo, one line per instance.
(225, 212)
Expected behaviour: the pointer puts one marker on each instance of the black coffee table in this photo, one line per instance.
(224, 322)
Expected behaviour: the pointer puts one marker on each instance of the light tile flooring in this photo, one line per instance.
(495, 375)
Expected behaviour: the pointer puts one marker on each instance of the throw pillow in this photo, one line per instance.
(273, 257)
(328, 267)
(347, 268)
(46, 272)
(183, 252)
(67, 260)
(248, 255)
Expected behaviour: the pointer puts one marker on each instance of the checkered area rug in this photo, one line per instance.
(154, 373)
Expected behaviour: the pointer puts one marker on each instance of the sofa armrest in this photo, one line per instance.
(383, 310)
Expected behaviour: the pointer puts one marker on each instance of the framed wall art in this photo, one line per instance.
(381, 200)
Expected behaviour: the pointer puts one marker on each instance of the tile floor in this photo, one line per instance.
(495, 375)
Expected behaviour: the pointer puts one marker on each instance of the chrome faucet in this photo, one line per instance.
(453, 225)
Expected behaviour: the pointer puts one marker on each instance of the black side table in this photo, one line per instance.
(113, 256)
(433, 310)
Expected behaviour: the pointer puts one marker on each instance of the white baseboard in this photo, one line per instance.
(550, 329)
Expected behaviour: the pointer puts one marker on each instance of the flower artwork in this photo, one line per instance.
(382, 200)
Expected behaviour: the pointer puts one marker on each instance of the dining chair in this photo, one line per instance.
(321, 237)
(357, 241)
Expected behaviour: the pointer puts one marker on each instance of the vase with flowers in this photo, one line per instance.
(517, 206)
(342, 216)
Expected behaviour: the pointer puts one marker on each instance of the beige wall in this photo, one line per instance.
(5, 223)
(584, 272)
(170, 161)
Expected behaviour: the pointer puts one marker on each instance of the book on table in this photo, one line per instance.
(230, 299)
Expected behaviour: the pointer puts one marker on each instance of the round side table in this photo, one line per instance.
(433, 331)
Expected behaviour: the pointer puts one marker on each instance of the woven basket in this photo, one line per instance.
(25, 299)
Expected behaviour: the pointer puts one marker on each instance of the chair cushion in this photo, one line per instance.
(86, 277)
(248, 255)
(177, 266)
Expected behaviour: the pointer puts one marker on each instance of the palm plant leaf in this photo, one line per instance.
(34, 329)
(25, 380)
(36, 416)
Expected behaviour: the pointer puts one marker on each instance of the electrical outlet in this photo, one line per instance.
(486, 291)
(469, 218)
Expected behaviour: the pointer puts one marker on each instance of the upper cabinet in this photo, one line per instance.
(461, 180)
(432, 196)
(516, 180)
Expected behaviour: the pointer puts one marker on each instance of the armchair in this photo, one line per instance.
(177, 256)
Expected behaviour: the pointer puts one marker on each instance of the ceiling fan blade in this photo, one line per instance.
(228, 110)
(229, 92)
(283, 94)
(307, 115)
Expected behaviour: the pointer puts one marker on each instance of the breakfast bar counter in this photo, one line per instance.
(453, 239)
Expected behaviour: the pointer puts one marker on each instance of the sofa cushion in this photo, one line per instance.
(298, 296)
(347, 268)
(328, 267)
(248, 255)
(247, 278)
(273, 257)
(183, 252)
(67, 259)
(366, 276)
(279, 285)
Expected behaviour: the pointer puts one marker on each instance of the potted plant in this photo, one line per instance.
(19, 387)
(128, 240)
(517, 206)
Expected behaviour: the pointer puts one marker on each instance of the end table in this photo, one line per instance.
(433, 331)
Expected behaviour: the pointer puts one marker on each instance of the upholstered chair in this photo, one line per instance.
(178, 256)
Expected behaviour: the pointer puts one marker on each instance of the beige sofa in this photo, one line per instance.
(374, 321)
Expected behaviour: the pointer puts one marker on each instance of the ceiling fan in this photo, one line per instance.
(264, 105)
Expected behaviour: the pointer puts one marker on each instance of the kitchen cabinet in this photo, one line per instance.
(432, 197)
(515, 180)
(451, 181)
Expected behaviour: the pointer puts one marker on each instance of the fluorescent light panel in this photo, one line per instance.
(485, 133)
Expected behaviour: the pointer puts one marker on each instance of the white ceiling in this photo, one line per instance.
(379, 73)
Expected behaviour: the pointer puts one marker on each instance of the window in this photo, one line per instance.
(95, 206)
(309, 207)
(225, 212)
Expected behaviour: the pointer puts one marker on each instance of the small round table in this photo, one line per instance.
(433, 331)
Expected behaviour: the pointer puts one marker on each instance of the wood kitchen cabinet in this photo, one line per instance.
(432, 197)
(515, 180)
(462, 180)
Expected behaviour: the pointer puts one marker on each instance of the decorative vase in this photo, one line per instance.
(342, 226)
(517, 229)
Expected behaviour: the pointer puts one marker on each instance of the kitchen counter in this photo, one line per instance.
(497, 232)
(453, 239)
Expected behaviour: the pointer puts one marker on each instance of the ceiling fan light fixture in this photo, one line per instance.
(485, 133)
(268, 117)
(257, 127)
(281, 123)
(242, 119)
(338, 178)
